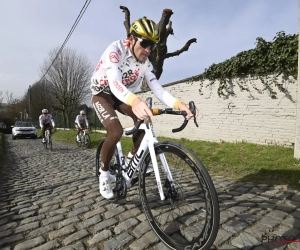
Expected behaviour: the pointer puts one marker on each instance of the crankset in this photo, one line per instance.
(121, 188)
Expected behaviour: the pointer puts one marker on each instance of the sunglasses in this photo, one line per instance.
(146, 43)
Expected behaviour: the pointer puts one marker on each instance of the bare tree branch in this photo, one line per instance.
(169, 30)
(127, 18)
(9, 96)
(184, 48)
(1, 97)
(165, 18)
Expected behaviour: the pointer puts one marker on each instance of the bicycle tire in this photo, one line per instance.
(87, 141)
(189, 217)
(50, 142)
(113, 162)
(79, 143)
(47, 139)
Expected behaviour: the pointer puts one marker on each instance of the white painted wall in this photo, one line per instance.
(249, 116)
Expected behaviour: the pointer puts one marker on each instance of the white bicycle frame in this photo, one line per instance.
(47, 135)
(148, 142)
(82, 135)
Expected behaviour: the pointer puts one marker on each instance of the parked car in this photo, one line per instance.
(23, 129)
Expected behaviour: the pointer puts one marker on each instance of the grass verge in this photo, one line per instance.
(247, 162)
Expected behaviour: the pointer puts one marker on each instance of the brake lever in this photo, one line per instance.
(192, 108)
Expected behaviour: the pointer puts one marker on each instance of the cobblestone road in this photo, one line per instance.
(50, 200)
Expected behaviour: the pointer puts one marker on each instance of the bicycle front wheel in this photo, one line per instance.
(47, 139)
(87, 141)
(189, 216)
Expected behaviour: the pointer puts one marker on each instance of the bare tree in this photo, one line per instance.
(13, 106)
(68, 79)
(1, 97)
(9, 97)
(40, 98)
(158, 56)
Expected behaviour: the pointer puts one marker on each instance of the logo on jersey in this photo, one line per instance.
(98, 66)
(126, 43)
(118, 86)
(102, 82)
(114, 57)
(129, 76)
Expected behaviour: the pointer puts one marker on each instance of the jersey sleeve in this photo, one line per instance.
(163, 95)
(76, 120)
(40, 120)
(114, 75)
(52, 121)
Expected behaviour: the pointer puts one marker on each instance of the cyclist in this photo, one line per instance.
(46, 121)
(81, 122)
(120, 72)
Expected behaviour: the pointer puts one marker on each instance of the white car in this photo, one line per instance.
(22, 130)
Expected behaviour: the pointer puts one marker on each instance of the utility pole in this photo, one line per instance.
(297, 136)
(29, 102)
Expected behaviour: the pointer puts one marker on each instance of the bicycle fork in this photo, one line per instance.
(147, 142)
(155, 168)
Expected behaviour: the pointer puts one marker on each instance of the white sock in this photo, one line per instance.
(104, 173)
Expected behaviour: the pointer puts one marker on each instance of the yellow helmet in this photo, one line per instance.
(146, 28)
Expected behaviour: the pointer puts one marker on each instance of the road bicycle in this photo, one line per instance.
(48, 139)
(85, 139)
(178, 196)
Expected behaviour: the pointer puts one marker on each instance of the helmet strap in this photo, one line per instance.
(135, 40)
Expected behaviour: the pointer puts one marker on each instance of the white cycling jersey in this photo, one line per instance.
(80, 119)
(119, 73)
(46, 119)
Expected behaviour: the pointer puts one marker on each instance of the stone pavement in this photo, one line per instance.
(50, 200)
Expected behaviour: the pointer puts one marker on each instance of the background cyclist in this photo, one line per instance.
(81, 122)
(120, 73)
(46, 121)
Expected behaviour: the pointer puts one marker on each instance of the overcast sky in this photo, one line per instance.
(223, 28)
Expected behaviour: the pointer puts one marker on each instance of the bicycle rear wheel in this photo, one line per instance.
(50, 142)
(87, 141)
(113, 163)
(189, 216)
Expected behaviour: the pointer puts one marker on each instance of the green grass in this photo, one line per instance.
(273, 165)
